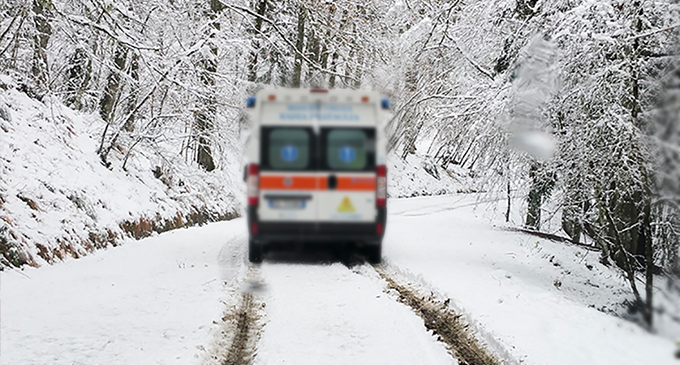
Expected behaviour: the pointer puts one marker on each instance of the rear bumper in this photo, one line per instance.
(268, 232)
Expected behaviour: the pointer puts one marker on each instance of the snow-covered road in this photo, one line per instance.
(171, 299)
(331, 314)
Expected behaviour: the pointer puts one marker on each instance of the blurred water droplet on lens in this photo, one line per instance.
(539, 145)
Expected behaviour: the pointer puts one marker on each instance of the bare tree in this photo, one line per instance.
(43, 32)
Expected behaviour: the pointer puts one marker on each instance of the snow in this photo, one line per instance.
(147, 302)
(538, 298)
(418, 175)
(48, 160)
(160, 300)
(329, 314)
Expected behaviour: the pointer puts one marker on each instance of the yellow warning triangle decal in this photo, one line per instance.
(346, 206)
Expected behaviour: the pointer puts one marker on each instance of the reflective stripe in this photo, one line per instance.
(289, 182)
(354, 183)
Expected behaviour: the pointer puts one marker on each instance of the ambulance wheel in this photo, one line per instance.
(374, 253)
(254, 251)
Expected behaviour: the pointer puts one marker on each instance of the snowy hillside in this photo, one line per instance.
(417, 175)
(58, 200)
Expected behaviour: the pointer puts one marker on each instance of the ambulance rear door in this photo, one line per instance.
(347, 163)
(288, 165)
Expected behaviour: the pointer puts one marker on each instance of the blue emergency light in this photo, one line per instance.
(250, 102)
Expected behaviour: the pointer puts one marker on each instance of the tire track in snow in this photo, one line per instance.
(449, 326)
(245, 322)
(319, 312)
(240, 326)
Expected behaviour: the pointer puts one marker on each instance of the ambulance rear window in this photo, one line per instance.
(351, 149)
(286, 148)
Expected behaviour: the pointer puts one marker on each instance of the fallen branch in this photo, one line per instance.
(550, 236)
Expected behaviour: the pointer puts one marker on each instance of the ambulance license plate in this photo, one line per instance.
(286, 204)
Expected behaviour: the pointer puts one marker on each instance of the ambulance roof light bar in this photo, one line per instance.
(251, 100)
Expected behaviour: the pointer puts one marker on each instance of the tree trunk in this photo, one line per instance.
(507, 211)
(78, 77)
(325, 50)
(645, 249)
(359, 67)
(314, 51)
(204, 118)
(109, 100)
(107, 104)
(299, 46)
(573, 209)
(348, 68)
(410, 138)
(203, 124)
(133, 71)
(646, 241)
(334, 66)
(541, 186)
(252, 65)
(43, 32)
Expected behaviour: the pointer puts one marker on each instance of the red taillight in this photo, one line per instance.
(381, 186)
(379, 228)
(253, 182)
(253, 227)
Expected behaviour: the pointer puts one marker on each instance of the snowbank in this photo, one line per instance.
(57, 200)
(418, 175)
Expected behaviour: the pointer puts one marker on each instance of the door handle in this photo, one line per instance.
(332, 182)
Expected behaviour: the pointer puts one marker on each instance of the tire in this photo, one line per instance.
(255, 252)
(374, 253)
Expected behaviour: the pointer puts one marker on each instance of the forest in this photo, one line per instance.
(570, 106)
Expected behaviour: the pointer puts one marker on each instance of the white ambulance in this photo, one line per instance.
(316, 171)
